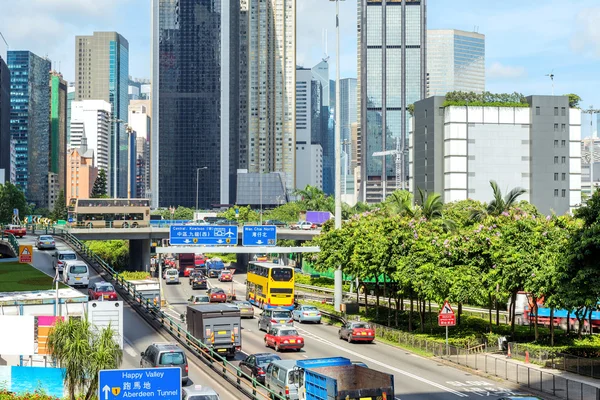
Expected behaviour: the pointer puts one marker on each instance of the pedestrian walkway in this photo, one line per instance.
(564, 385)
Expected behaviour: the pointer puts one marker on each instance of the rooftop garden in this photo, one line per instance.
(485, 99)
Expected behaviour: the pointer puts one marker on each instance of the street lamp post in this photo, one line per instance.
(260, 189)
(337, 295)
(198, 183)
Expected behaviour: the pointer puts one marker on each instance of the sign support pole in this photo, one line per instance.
(447, 347)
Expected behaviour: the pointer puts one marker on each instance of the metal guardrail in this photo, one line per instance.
(383, 299)
(12, 242)
(148, 310)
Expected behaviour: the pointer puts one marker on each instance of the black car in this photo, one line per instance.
(255, 365)
(274, 222)
(199, 282)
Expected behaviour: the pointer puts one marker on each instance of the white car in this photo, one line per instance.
(303, 225)
(172, 276)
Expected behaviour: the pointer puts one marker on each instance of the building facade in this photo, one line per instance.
(271, 84)
(30, 123)
(348, 103)
(195, 102)
(70, 99)
(141, 123)
(4, 121)
(309, 157)
(455, 61)
(58, 137)
(102, 73)
(590, 165)
(81, 172)
(92, 118)
(324, 129)
(391, 76)
(456, 151)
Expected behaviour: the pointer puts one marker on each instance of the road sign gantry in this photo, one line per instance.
(203, 235)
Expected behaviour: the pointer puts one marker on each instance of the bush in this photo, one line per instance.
(320, 281)
(134, 275)
(114, 252)
(6, 395)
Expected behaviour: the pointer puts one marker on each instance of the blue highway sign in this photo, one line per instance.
(259, 235)
(203, 235)
(157, 383)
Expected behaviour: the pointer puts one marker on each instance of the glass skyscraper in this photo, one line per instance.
(30, 123)
(326, 125)
(4, 119)
(455, 62)
(195, 102)
(391, 76)
(102, 73)
(58, 135)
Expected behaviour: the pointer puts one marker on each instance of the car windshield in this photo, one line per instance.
(46, 238)
(244, 304)
(201, 299)
(281, 274)
(106, 287)
(281, 314)
(172, 272)
(288, 332)
(217, 291)
(174, 358)
(68, 256)
(263, 362)
(361, 326)
(309, 308)
(78, 269)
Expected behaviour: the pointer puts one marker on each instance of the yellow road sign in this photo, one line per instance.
(25, 253)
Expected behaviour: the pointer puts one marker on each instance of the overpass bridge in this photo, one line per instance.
(140, 239)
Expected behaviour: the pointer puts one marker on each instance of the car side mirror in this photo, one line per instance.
(142, 354)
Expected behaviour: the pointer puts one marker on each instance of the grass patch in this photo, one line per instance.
(16, 277)
(320, 281)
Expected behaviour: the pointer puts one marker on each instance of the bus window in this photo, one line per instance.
(281, 274)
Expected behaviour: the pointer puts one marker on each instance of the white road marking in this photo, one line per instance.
(129, 348)
(371, 360)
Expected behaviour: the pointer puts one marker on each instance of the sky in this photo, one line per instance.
(525, 40)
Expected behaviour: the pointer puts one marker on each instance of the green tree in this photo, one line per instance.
(60, 208)
(244, 214)
(100, 186)
(499, 204)
(289, 212)
(574, 100)
(43, 211)
(314, 199)
(114, 252)
(12, 197)
(83, 351)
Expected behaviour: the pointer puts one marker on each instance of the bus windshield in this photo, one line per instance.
(281, 274)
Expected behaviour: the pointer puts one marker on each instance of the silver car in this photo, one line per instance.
(306, 313)
(273, 318)
(199, 392)
(45, 242)
(172, 276)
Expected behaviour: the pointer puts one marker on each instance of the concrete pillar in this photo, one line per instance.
(242, 262)
(139, 255)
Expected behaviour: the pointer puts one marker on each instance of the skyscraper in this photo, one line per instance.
(326, 125)
(30, 123)
(195, 102)
(348, 117)
(271, 83)
(455, 61)
(58, 137)
(91, 118)
(102, 73)
(391, 76)
(140, 121)
(4, 121)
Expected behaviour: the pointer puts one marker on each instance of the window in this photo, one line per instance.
(563, 143)
(555, 127)
(556, 143)
(555, 192)
(537, 111)
(563, 192)
(563, 111)
(563, 160)
(563, 176)
(556, 111)
(555, 159)
(556, 176)
(426, 113)
(563, 127)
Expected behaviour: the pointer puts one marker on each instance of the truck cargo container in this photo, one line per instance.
(217, 326)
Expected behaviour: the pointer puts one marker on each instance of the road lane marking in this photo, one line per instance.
(129, 348)
(381, 364)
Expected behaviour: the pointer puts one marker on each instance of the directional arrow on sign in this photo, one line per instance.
(106, 390)
(186, 241)
(259, 242)
(220, 241)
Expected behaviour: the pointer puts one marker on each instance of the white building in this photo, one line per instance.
(140, 121)
(93, 116)
(456, 151)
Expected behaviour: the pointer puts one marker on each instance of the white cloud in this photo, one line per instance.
(498, 70)
(586, 38)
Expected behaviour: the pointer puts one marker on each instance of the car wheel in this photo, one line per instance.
(259, 328)
(349, 338)
(276, 347)
(340, 335)
(266, 343)
(134, 225)
(125, 225)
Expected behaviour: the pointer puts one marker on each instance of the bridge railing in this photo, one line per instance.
(152, 313)
(12, 242)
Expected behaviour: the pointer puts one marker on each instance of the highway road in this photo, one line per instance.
(138, 334)
(415, 377)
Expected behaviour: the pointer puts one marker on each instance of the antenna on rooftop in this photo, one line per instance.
(551, 75)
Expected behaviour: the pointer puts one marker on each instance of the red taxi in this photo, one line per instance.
(102, 291)
(187, 271)
(225, 276)
(357, 332)
(15, 230)
(217, 295)
(284, 338)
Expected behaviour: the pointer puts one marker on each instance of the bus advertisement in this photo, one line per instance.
(270, 285)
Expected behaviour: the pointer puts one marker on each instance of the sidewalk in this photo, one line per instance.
(564, 385)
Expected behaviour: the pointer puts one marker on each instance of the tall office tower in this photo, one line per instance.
(243, 84)
(455, 61)
(391, 76)
(141, 122)
(326, 125)
(58, 137)
(102, 73)
(271, 39)
(92, 118)
(4, 121)
(348, 117)
(195, 102)
(70, 98)
(30, 123)
(309, 157)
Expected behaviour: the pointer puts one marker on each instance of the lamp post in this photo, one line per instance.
(337, 295)
(260, 189)
(198, 183)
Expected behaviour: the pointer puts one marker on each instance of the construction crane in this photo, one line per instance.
(398, 153)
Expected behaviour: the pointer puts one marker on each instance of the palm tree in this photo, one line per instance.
(313, 198)
(499, 204)
(83, 351)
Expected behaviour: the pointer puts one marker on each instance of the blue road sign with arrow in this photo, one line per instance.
(203, 235)
(259, 235)
(157, 383)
